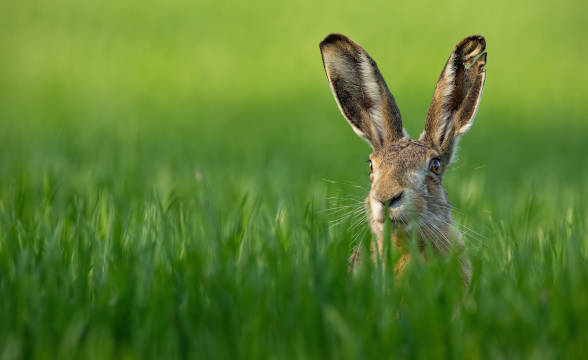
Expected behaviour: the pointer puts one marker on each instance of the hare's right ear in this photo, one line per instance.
(457, 96)
(360, 91)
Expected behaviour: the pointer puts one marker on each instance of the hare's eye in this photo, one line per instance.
(435, 166)
(371, 166)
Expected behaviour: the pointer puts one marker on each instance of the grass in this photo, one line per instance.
(171, 177)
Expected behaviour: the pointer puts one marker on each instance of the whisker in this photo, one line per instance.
(360, 232)
(348, 216)
(451, 207)
(346, 199)
(330, 181)
(358, 224)
(436, 235)
(343, 207)
(460, 227)
(471, 235)
(465, 230)
(348, 213)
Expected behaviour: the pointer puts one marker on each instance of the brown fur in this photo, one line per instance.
(402, 179)
(346, 63)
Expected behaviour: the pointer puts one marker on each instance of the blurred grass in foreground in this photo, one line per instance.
(170, 174)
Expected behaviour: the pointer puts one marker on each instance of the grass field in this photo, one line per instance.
(176, 181)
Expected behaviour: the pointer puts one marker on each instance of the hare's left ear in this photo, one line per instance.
(457, 96)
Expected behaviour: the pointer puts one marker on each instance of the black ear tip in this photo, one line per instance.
(332, 39)
(471, 46)
(479, 39)
(482, 40)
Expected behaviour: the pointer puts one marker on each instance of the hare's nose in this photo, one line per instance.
(394, 201)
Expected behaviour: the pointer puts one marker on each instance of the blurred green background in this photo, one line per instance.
(243, 80)
(172, 176)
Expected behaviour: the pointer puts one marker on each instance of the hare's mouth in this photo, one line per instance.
(395, 223)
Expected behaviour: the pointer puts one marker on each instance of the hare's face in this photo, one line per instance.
(406, 179)
(406, 174)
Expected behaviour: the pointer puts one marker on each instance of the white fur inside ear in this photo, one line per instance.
(359, 133)
(447, 90)
(469, 124)
(338, 65)
(372, 88)
(405, 134)
(453, 157)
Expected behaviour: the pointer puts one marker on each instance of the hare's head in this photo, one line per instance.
(406, 175)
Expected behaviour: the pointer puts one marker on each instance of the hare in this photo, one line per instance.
(406, 174)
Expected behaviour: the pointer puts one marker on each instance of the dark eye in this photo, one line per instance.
(371, 166)
(435, 166)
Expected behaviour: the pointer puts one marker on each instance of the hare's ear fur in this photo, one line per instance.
(457, 95)
(360, 91)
